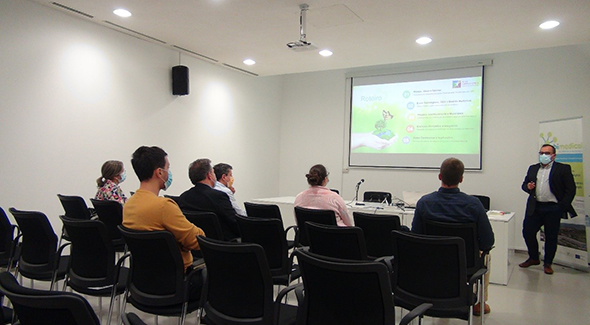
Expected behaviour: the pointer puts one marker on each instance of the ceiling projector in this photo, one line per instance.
(302, 44)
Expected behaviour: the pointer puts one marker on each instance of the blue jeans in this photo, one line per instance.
(546, 214)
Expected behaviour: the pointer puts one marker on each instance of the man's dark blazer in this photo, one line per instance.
(561, 183)
(202, 197)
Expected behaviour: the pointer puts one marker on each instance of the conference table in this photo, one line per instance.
(503, 224)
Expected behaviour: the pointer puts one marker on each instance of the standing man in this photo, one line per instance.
(225, 180)
(449, 204)
(551, 188)
(202, 197)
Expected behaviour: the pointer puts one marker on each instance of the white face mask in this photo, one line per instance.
(123, 176)
(544, 159)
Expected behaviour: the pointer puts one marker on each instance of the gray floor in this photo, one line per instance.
(530, 298)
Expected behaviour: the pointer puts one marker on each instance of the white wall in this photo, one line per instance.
(75, 94)
(520, 89)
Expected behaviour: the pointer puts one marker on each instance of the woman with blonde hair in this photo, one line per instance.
(318, 196)
(112, 174)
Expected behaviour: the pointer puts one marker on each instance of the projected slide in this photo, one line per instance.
(417, 123)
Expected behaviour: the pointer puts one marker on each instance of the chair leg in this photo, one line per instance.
(482, 300)
(183, 313)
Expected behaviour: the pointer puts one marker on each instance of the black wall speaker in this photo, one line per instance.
(180, 80)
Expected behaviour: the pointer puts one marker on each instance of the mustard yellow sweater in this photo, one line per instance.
(146, 211)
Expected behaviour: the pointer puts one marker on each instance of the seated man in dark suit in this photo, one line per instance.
(202, 197)
(449, 204)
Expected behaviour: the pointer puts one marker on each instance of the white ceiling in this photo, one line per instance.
(359, 32)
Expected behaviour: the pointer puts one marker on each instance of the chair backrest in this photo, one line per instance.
(430, 269)
(157, 270)
(466, 231)
(207, 221)
(269, 234)
(485, 201)
(335, 190)
(6, 238)
(256, 210)
(74, 206)
(337, 242)
(239, 283)
(375, 196)
(92, 255)
(344, 292)
(46, 307)
(39, 242)
(303, 215)
(173, 197)
(377, 230)
(111, 214)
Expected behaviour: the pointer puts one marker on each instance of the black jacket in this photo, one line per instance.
(561, 183)
(202, 197)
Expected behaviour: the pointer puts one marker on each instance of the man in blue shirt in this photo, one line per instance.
(449, 204)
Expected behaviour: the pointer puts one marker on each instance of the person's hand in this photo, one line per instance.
(370, 140)
(530, 185)
(232, 189)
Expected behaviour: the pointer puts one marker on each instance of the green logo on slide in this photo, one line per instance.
(406, 94)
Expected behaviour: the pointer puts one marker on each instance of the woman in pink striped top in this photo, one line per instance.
(318, 196)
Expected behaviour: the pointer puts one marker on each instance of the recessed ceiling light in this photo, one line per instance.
(326, 53)
(122, 13)
(549, 24)
(423, 40)
(249, 62)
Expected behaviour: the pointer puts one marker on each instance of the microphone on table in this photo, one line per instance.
(358, 185)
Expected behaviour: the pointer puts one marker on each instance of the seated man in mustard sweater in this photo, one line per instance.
(145, 210)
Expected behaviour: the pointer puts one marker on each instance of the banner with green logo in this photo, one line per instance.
(566, 136)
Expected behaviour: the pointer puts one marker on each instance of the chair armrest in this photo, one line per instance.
(294, 228)
(416, 312)
(477, 275)
(283, 293)
(387, 260)
(119, 266)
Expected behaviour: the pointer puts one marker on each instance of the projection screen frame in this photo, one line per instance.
(408, 70)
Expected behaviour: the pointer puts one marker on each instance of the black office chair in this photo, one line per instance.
(377, 230)
(33, 307)
(157, 283)
(269, 234)
(40, 257)
(238, 288)
(207, 221)
(475, 261)
(338, 242)
(335, 190)
(374, 196)
(432, 269)
(9, 236)
(75, 207)
(93, 270)
(111, 214)
(485, 201)
(342, 292)
(256, 210)
(303, 215)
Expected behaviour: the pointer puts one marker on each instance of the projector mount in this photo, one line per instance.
(302, 44)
